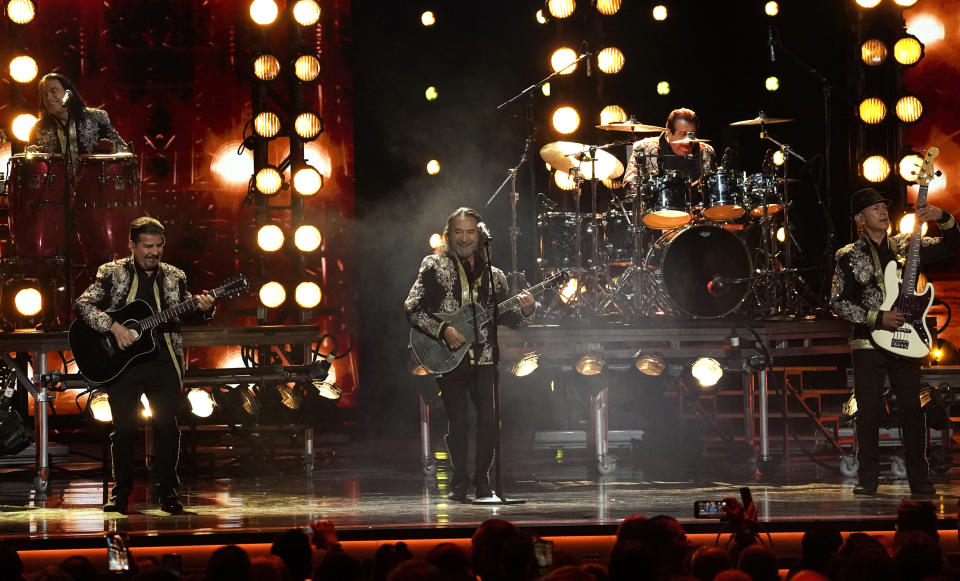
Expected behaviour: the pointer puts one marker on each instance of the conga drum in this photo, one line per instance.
(36, 191)
(107, 200)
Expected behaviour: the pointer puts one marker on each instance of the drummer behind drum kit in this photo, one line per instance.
(54, 223)
(690, 250)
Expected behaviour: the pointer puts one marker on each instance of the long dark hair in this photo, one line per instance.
(78, 109)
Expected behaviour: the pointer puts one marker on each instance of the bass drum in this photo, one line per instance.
(694, 269)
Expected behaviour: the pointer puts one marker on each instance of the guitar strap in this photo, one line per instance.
(878, 268)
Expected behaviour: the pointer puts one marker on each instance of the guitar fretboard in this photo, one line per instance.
(514, 301)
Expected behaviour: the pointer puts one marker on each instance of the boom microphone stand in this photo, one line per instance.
(516, 279)
(493, 338)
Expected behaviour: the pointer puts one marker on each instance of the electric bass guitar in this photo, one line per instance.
(100, 359)
(913, 338)
(434, 354)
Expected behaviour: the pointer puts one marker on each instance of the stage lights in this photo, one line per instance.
(872, 110)
(569, 291)
(908, 51)
(608, 7)
(905, 3)
(526, 365)
(266, 67)
(868, 3)
(771, 8)
(778, 157)
(433, 167)
(264, 12)
(612, 114)
(909, 166)
(145, 410)
(652, 364)
(907, 222)
(307, 181)
(561, 8)
(707, 371)
(307, 238)
(428, 18)
(541, 19)
(436, 241)
(873, 52)
(266, 124)
(875, 168)
(660, 12)
(564, 181)
(771, 83)
(23, 69)
(28, 301)
(308, 125)
(431, 94)
(327, 389)
(306, 12)
(306, 68)
(610, 60)
(201, 402)
(663, 88)
(564, 60)
(272, 295)
(21, 11)
(270, 238)
(98, 405)
(268, 181)
(308, 294)
(909, 109)
(590, 363)
(290, 396)
(781, 234)
(566, 120)
(545, 89)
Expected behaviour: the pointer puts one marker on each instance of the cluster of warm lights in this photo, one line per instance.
(273, 294)
(306, 238)
(22, 68)
(772, 83)
(875, 3)
(265, 12)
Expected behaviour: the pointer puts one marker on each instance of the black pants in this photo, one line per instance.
(161, 384)
(474, 383)
(870, 367)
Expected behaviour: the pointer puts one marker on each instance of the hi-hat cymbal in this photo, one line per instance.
(689, 140)
(631, 127)
(567, 155)
(761, 120)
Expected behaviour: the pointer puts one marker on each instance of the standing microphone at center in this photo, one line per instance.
(484, 231)
(773, 53)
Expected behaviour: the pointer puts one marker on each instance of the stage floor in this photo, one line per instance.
(370, 495)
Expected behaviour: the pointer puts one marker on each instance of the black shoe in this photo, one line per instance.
(118, 503)
(458, 494)
(483, 491)
(866, 489)
(169, 503)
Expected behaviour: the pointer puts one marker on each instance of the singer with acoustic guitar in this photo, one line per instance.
(454, 277)
(859, 292)
(157, 374)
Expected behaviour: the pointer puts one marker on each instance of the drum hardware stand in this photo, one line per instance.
(516, 280)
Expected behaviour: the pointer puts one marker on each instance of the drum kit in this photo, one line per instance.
(668, 246)
(63, 223)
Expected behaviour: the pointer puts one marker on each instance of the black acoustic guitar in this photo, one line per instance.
(100, 359)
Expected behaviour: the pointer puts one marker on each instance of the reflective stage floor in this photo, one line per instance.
(377, 490)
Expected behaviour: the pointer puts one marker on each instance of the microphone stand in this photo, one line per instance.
(516, 278)
(68, 187)
(494, 339)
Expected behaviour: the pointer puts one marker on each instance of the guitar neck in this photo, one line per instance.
(911, 267)
(167, 315)
(514, 301)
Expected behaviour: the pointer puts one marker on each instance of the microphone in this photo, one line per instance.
(546, 202)
(484, 231)
(717, 285)
(727, 159)
(773, 54)
(66, 98)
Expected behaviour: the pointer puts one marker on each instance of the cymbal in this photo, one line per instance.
(694, 140)
(762, 120)
(567, 155)
(631, 127)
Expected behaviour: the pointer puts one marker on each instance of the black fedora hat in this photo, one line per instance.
(864, 198)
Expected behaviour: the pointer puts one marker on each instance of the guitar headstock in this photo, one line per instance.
(232, 287)
(926, 173)
(559, 278)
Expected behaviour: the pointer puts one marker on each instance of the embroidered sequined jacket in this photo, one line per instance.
(650, 147)
(94, 126)
(438, 290)
(111, 290)
(858, 288)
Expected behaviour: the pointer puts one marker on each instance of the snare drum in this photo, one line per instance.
(558, 238)
(666, 200)
(36, 211)
(108, 199)
(696, 270)
(760, 187)
(723, 195)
